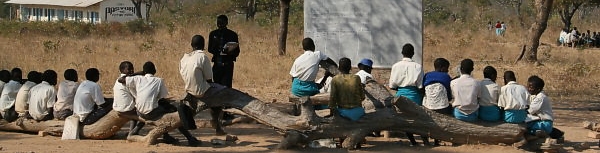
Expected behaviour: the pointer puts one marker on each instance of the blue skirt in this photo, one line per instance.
(515, 116)
(543, 125)
(412, 93)
(353, 114)
(489, 113)
(465, 117)
(304, 88)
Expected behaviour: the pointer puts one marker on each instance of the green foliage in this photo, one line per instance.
(139, 26)
(51, 46)
(435, 13)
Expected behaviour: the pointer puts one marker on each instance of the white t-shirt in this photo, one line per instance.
(513, 96)
(363, 76)
(540, 108)
(41, 97)
(149, 90)
(88, 94)
(9, 95)
(406, 73)
(195, 69)
(23, 96)
(123, 97)
(306, 66)
(65, 95)
(489, 93)
(465, 91)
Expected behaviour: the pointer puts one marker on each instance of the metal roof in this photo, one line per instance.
(71, 3)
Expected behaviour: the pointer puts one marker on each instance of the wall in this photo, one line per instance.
(119, 11)
(357, 29)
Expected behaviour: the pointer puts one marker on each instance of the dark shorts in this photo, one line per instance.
(62, 115)
(445, 111)
(96, 115)
(10, 115)
(163, 108)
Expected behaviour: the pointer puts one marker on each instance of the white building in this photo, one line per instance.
(89, 11)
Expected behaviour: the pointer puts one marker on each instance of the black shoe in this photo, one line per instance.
(228, 116)
(194, 142)
(170, 139)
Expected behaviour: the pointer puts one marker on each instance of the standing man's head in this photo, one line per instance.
(149, 68)
(126, 67)
(466, 66)
(222, 21)
(308, 44)
(441, 65)
(365, 65)
(408, 51)
(535, 85)
(35, 77)
(345, 65)
(509, 76)
(16, 74)
(71, 75)
(5, 76)
(92, 74)
(50, 77)
(198, 42)
(490, 73)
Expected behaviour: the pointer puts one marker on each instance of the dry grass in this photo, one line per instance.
(264, 74)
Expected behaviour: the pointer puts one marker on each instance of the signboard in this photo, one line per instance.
(357, 29)
(120, 11)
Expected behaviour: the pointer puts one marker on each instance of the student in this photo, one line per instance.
(488, 98)
(42, 97)
(407, 78)
(437, 90)
(304, 71)
(197, 75)
(89, 103)
(365, 66)
(150, 101)
(513, 99)
(498, 28)
(22, 101)
(123, 101)
(63, 107)
(347, 93)
(465, 91)
(540, 115)
(4, 78)
(9, 95)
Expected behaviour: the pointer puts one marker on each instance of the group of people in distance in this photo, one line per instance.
(135, 93)
(463, 97)
(499, 27)
(573, 38)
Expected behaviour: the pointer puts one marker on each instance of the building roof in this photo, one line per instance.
(70, 3)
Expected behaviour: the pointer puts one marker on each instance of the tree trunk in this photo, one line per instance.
(138, 8)
(148, 8)
(543, 8)
(250, 9)
(284, 15)
(567, 11)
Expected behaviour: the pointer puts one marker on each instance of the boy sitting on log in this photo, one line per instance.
(513, 99)
(65, 95)
(465, 91)
(22, 101)
(89, 103)
(42, 97)
(488, 99)
(540, 117)
(9, 94)
(437, 91)
(347, 93)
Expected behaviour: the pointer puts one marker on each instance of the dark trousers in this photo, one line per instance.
(96, 115)
(223, 73)
(62, 115)
(10, 115)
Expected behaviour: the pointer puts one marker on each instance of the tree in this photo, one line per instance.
(543, 8)
(566, 9)
(284, 16)
(138, 7)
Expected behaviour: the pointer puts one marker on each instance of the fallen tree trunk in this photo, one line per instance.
(387, 113)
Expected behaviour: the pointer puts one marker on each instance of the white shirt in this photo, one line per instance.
(123, 97)
(149, 90)
(436, 97)
(41, 98)
(363, 76)
(489, 93)
(513, 96)
(327, 85)
(9, 95)
(23, 97)
(540, 108)
(465, 91)
(195, 69)
(406, 73)
(88, 94)
(306, 66)
(65, 95)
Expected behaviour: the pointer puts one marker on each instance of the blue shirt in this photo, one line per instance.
(438, 77)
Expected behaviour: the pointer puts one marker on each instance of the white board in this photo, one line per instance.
(120, 11)
(357, 29)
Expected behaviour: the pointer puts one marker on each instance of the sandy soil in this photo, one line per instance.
(570, 112)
